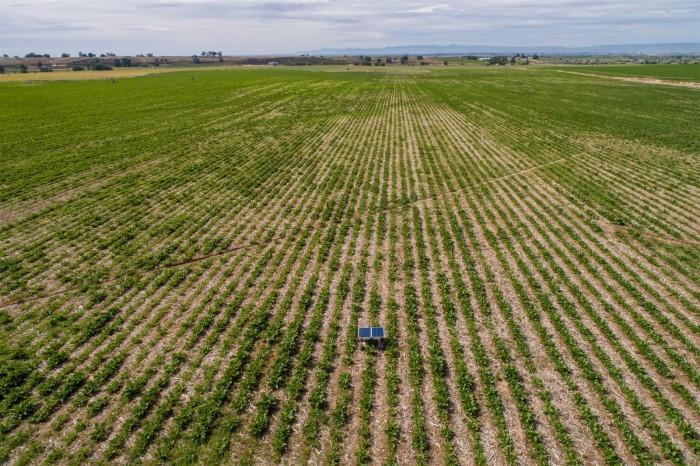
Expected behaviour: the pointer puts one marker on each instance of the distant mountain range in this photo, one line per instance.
(455, 49)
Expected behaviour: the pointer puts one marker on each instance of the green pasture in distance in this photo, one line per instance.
(685, 72)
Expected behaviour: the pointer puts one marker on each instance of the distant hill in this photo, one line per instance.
(455, 49)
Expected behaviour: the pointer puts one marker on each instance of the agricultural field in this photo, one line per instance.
(115, 73)
(690, 73)
(185, 259)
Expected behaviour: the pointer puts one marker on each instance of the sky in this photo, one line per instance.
(184, 27)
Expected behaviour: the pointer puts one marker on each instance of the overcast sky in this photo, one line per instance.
(279, 26)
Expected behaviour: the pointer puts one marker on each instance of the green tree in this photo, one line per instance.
(498, 61)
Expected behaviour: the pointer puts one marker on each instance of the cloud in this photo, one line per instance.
(286, 26)
(426, 9)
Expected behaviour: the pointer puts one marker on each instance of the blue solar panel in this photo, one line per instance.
(370, 333)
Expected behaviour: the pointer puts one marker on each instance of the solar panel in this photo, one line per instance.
(370, 333)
